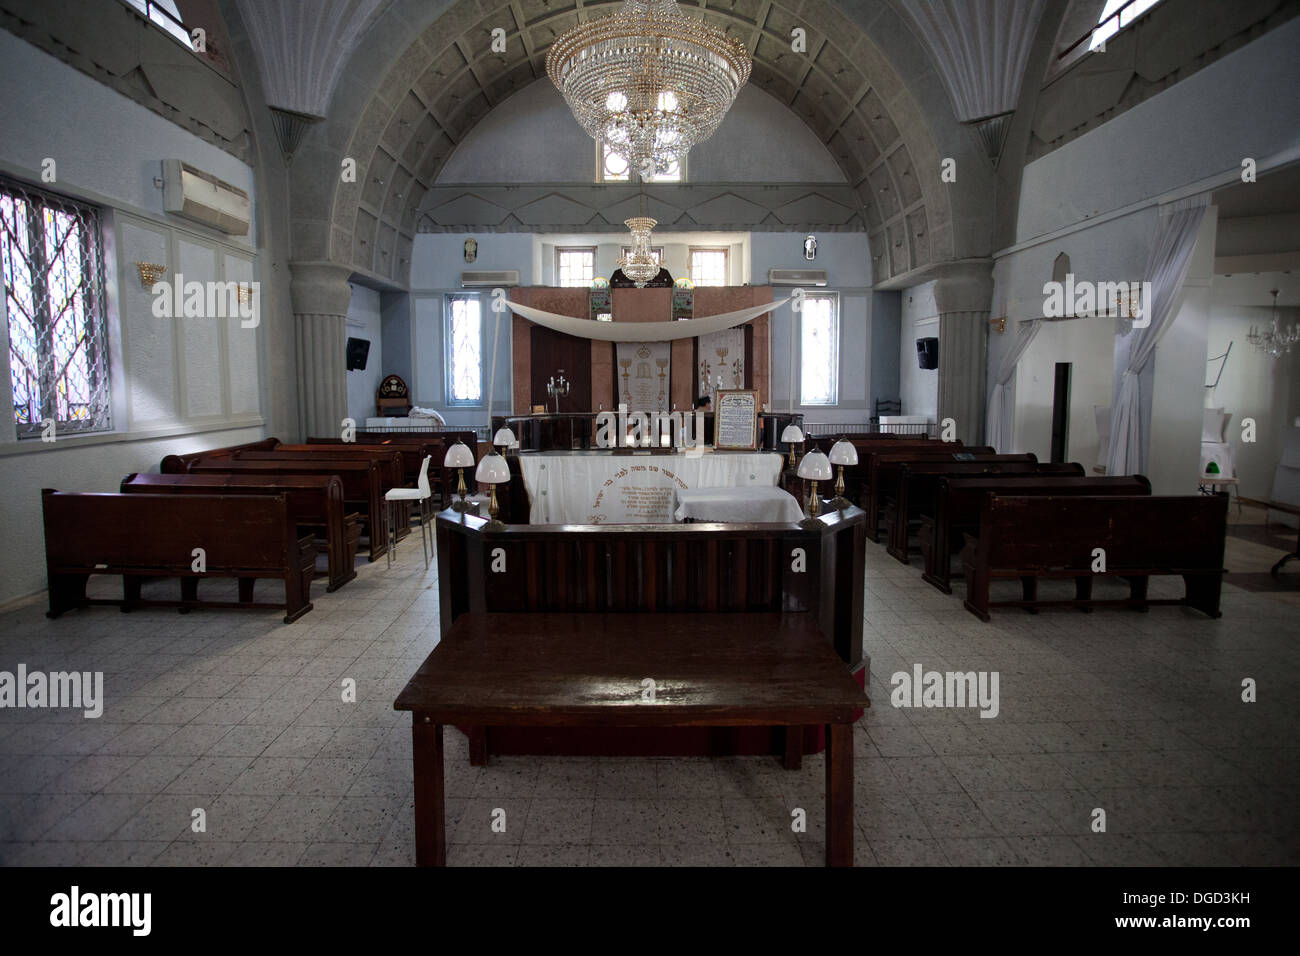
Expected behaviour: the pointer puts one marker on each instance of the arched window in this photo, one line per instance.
(1115, 16)
(164, 15)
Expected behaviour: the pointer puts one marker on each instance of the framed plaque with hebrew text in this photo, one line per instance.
(735, 420)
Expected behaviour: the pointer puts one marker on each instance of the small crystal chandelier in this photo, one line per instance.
(640, 265)
(1274, 341)
(649, 81)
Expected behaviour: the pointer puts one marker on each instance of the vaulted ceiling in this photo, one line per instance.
(448, 78)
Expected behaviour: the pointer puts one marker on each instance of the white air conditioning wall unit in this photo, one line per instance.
(799, 277)
(194, 194)
(489, 280)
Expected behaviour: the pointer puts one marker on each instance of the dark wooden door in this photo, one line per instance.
(553, 352)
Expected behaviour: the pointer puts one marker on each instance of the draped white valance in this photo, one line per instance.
(1002, 403)
(1166, 268)
(641, 331)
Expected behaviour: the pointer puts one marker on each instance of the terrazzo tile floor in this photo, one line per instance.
(236, 714)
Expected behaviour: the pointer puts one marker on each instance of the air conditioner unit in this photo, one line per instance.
(488, 280)
(200, 196)
(799, 277)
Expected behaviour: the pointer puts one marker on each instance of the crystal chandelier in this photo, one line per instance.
(640, 264)
(1275, 341)
(649, 81)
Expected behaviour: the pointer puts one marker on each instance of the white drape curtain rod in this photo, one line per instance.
(642, 331)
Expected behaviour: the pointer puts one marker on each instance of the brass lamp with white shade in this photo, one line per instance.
(505, 438)
(814, 467)
(493, 470)
(459, 457)
(842, 453)
(792, 435)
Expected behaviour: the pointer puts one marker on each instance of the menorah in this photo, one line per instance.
(627, 389)
(556, 389)
(663, 365)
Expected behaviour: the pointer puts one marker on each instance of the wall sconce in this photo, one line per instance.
(149, 273)
(999, 325)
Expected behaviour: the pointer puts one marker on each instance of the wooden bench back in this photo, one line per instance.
(310, 498)
(962, 497)
(144, 531)
(179, 464)
(361, 480)
(389, 462)
(1139, 532)
(702, 568)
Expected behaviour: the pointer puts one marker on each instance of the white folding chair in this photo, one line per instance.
(421, 493)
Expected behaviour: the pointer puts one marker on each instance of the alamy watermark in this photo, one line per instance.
(1084, 299)
(922, 688)
(208, 300)
(75, 689)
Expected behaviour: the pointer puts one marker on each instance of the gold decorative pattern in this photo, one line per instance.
(150, 273)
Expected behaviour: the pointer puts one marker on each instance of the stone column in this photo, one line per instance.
(963, 294)
(321, 294)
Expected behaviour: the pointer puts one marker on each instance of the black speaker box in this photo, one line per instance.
(927, 353)
(358, 352)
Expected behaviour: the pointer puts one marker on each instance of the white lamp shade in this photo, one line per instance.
(792, 433)
(459, 456)
(504, 437)
(815, 466)
(844, 453)
(492, 470)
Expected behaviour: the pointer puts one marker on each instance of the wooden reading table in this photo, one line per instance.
(722, 670)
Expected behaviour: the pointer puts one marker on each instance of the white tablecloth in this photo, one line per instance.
(604, 488)
(755, 504)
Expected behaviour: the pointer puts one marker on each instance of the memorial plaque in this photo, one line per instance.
(735, 420)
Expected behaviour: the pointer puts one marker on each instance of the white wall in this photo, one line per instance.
(364, 323)
(178, 385)
(1201, 126)
(532, 138)
(1088, 344)
(918, 387)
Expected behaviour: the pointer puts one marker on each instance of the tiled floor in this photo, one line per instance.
(237, 715)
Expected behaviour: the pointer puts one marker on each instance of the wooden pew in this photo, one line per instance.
(388, 459)
(918, 480)
(179, 464)
(361, 486)
(313, 501)
(140, 536)
(698, 568)
(442, 480)
(1032, 537)
(885, 467)
(957, 502)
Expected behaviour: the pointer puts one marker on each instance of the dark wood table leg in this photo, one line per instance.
(839, 795)
(793, 758)
(430, 803)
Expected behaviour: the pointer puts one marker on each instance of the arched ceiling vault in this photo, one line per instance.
(448, 79)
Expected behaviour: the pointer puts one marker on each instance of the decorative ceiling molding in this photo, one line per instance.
(980, 49)
(791, 207)
(303, 48)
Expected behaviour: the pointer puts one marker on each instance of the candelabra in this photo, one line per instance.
(557, 389)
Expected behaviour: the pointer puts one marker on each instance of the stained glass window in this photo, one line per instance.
(52, 266)
(709, 266)
(613, 168)
(819, 350)
(464, 334)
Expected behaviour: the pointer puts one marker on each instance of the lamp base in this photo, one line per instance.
(839, 504)
(811, 524)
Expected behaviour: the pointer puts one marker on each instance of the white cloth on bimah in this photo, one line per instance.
(606, 488)
(748, 505)
(418, 412)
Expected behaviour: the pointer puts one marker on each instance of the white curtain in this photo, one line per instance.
(641, 331)
(1002, 403)
(1166, 268)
